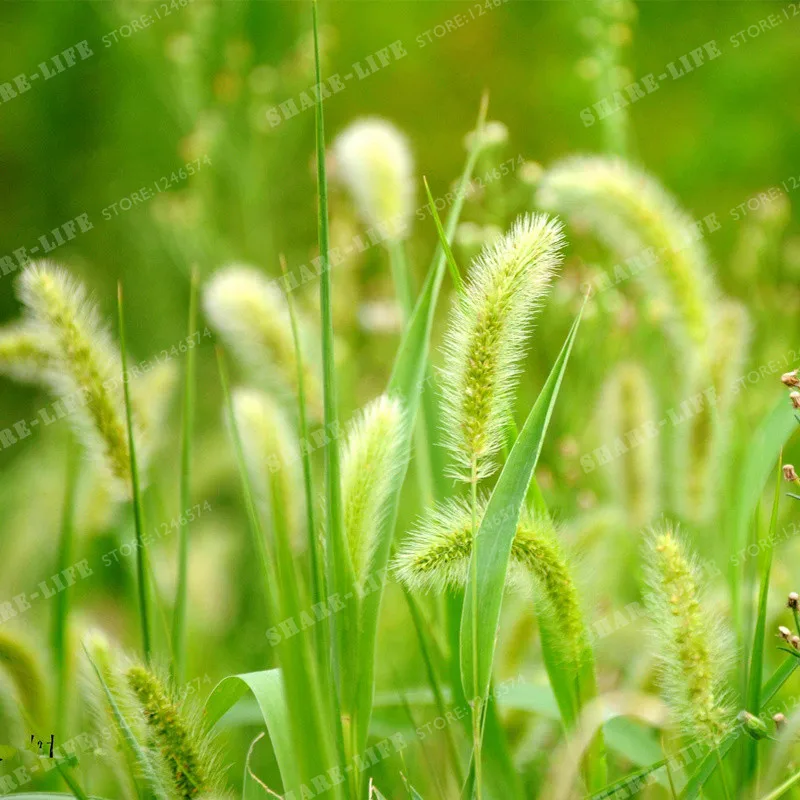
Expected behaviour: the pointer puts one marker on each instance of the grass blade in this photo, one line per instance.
(709, 764)
(451, 261)
(339, 570)
(267, 687)
(492, 549)
(757, 654)
(61, 609)
(761, 452)
(187, 426)
(406, 384)
(143, 588)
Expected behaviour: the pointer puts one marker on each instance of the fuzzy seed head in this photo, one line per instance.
(370, 464)
(271, 452)
(694, 646)
(174, 737)
(485, 340)
(628, 404)
(630, 212)
(23, 354)
(436, 556)
(374, 161)
(251, 315)
(85, 365)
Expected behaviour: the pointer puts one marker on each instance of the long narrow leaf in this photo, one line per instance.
(757, 654)
(495, 536)
(268, 689)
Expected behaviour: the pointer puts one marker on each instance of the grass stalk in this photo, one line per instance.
(475, 703)
(60, 630)
(339, 570)
(143, 590)
(187, 427)
(317, 573)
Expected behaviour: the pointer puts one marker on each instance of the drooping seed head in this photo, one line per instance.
(627, 407)
(693, 645)
(634, 216)
(436, 556)
(85, 365)
(374, 160)
(370, 464)
(251, 315)
(485, 339)
(20, 663)
(704, 441)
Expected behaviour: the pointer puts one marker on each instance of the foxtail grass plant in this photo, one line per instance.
(84, 369)
(271, 453)
(251, 316)
(703, 440)
(483, 348)
(485, 339)
(370, 462)
(694, 647)
(627, 414)
(641, 223)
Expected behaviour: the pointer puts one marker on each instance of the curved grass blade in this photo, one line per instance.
(268, 689)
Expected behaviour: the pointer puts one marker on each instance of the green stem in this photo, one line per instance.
(476, 700)
(144, 602)
(61, 615)
(338, 568)
(181, 592)
(722, 777)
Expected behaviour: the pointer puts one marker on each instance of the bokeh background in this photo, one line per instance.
(198, 82)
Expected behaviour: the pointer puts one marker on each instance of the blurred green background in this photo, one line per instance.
(197, 83)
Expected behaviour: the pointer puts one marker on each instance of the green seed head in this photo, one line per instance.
(23, 354)
(181, 747)
(437, 553)
(370, 464)
(634, 216)
(693, 644)
(485, 339)
(251, 315)
(85, 365)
